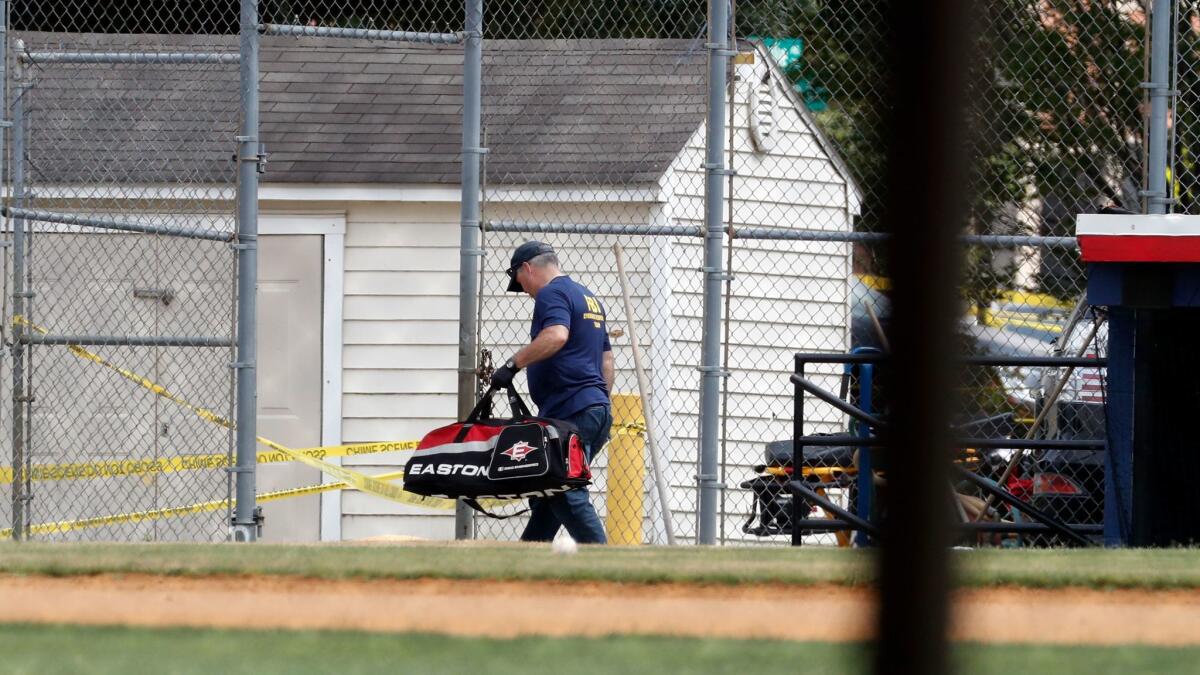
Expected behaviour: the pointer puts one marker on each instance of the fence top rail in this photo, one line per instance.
(788, 234)
(999, 240)
(594, 228)
(361, 33)
(764, 233)
(164, 58)
(1020, 240)
(127, 340)
(114, 224)
(847, 440)
(970, 360)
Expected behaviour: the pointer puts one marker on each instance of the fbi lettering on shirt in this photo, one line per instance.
(595, 313)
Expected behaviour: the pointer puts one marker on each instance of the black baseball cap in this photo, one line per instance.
(524, 253)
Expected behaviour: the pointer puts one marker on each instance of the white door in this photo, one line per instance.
(289, 376)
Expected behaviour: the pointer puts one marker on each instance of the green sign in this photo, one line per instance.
(789, 54)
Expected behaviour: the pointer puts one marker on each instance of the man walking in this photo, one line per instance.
(570, 365)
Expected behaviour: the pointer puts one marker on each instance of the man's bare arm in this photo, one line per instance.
(546, 344)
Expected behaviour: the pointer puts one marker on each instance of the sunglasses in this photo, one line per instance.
(512, 271)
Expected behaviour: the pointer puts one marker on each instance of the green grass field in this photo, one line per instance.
(68, 649)
(65, 649)
(1149, 569)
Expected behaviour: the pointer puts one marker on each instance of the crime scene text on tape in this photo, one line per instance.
(115, 468)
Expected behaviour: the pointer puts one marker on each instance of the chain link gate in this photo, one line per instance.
(121, 212)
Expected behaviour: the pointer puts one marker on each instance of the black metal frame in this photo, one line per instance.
(847, 521)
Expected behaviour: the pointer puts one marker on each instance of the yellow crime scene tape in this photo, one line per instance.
(203, 507)
(149, 466)
(353, 478)
(309, 456)
(313, 457)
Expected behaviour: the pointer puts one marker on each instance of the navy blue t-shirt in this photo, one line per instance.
(571, 380)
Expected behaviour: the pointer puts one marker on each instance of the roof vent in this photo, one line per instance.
(762, 114)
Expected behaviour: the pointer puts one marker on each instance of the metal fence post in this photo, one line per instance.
(714, 192)
(798, 432)
(245, 522)
(18, 345)
(866, 472)
(469, 251)
(1157, 196)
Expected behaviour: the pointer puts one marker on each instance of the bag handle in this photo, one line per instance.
(515, 403)
(484, 407)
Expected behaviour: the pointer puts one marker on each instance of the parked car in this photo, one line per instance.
(1070, 484)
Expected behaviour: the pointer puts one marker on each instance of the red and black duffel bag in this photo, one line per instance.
(482, 457)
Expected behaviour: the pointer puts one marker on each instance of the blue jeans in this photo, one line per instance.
(573, 509)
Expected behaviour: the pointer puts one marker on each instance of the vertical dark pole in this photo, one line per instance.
(1119, 406)
(925, 188)
(798, 513)
(866, 471)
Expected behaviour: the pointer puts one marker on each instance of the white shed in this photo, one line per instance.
(360, 225)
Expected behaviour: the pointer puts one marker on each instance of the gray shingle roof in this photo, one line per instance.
(338, 111)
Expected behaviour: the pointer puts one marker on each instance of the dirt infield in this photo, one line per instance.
(506, 609)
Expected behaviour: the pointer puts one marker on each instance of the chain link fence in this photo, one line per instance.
(594, 117)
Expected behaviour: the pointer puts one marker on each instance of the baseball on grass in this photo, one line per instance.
(564, 546)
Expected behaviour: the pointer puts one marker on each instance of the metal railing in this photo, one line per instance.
(872, 435)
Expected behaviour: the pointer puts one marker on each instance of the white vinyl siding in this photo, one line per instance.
(400, 358)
